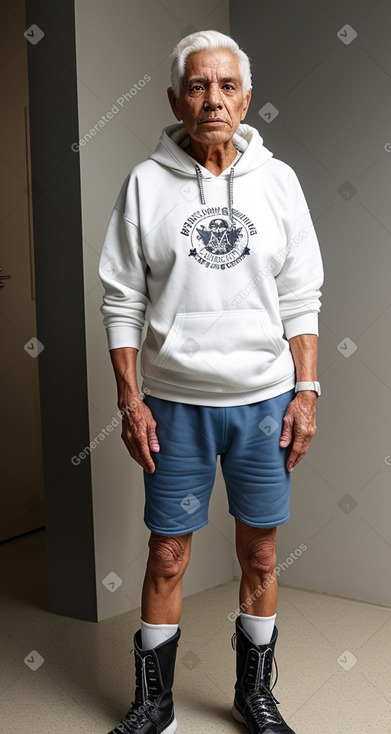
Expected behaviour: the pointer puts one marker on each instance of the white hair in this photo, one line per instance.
(206, 41)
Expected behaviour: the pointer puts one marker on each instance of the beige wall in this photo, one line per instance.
(117, 45)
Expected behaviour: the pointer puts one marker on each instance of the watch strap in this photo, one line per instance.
(315, 386)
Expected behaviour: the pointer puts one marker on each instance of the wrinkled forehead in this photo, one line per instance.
(212, 65)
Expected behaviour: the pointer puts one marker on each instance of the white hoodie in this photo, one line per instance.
(223, 269)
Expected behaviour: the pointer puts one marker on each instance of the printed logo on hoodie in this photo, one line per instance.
(218, 242)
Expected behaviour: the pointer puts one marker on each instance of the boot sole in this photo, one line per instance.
(237, 715)
(171, 729)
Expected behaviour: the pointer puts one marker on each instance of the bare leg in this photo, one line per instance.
(256, 553)
(162, 594)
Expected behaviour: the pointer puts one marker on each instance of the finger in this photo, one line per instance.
(291, 461)
(149, 467)
(144, 448)
(286, 433)
(145, 459)
(153, 441)
(295, 451)
(139, 451)
(285, 439)
(146, 462)
(298, 451)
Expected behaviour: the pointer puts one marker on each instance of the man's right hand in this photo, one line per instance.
(138, 424)
(139, 434)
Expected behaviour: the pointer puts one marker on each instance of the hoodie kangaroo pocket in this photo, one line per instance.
(224, 349)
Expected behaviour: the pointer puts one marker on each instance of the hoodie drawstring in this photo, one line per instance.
(231, 194)
(231, 190)
(200, 184)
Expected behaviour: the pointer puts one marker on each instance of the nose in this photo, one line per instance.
(213, 98)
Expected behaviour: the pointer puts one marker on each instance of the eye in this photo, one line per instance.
(230, 87)
(196, 88)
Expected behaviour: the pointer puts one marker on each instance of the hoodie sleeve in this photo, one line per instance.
(122, 270)
(301, 276)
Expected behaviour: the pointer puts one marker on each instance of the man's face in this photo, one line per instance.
(212, 103)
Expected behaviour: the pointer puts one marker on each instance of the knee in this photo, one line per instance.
(167, 556)
(260, 557)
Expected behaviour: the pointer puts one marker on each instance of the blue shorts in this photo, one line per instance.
(253, 464)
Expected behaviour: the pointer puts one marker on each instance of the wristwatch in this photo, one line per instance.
(315, 386)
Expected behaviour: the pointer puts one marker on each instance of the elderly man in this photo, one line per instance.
(211, 245)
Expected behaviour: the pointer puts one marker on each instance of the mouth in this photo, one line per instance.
(213, 121)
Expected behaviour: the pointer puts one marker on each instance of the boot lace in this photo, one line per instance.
(263, 706)
(141, 710)
(261, 701)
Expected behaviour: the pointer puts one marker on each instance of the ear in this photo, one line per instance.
(174, 103)
(246, 104)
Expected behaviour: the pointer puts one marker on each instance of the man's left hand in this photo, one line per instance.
(299, 425)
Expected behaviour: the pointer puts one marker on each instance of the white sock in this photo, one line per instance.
(260, 629)
(153, 635)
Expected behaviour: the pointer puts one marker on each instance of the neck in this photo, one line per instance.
(216, 158)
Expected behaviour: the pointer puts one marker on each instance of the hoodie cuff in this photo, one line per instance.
(123, 336)
(306, 323)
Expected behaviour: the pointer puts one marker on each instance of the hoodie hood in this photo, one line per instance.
(170, 151)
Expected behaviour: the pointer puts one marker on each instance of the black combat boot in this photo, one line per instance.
(254, 703)
(152, 711)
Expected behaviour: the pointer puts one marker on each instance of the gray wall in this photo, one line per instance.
(58, 250)
(117, 44)
(333, 127)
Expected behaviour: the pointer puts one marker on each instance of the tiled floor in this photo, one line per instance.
(334, 659)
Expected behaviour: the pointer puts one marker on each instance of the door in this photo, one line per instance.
(21, 471)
